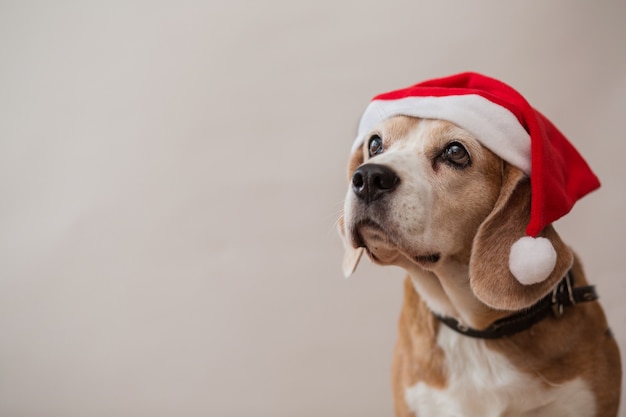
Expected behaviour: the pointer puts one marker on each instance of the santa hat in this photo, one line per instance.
(504, 122)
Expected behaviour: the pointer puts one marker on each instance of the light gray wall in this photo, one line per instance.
(171, 174)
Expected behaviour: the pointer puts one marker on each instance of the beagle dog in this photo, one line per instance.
(426, 195)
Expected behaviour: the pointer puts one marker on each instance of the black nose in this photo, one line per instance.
(371, 181)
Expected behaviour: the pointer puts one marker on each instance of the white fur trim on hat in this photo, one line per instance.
(531, 260)
(493, 125)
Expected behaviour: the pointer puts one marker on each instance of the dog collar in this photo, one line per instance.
(563, 295)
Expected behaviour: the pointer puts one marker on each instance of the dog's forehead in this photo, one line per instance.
(399, 128)
(403, 131)
(416, 136)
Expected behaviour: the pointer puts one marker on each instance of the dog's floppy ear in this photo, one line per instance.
(351, 255)
(490, 277)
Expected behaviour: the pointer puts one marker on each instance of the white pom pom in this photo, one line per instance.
(532, 259)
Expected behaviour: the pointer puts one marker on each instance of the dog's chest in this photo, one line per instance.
(484, 383)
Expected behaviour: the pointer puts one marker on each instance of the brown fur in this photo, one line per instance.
(578, 344)
(555, 350)
(417, 356)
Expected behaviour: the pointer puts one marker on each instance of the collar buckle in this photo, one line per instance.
(562, 295)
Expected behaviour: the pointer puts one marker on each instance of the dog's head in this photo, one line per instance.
(425, 193)
(440, 182)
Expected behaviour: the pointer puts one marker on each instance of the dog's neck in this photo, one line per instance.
(446, 291)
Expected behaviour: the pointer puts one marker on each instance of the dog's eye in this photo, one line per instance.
(375, 145)
(456, 155)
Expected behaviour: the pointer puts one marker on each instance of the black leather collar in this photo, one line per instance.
(563, 295)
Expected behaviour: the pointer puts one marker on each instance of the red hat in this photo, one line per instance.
(504, 122)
